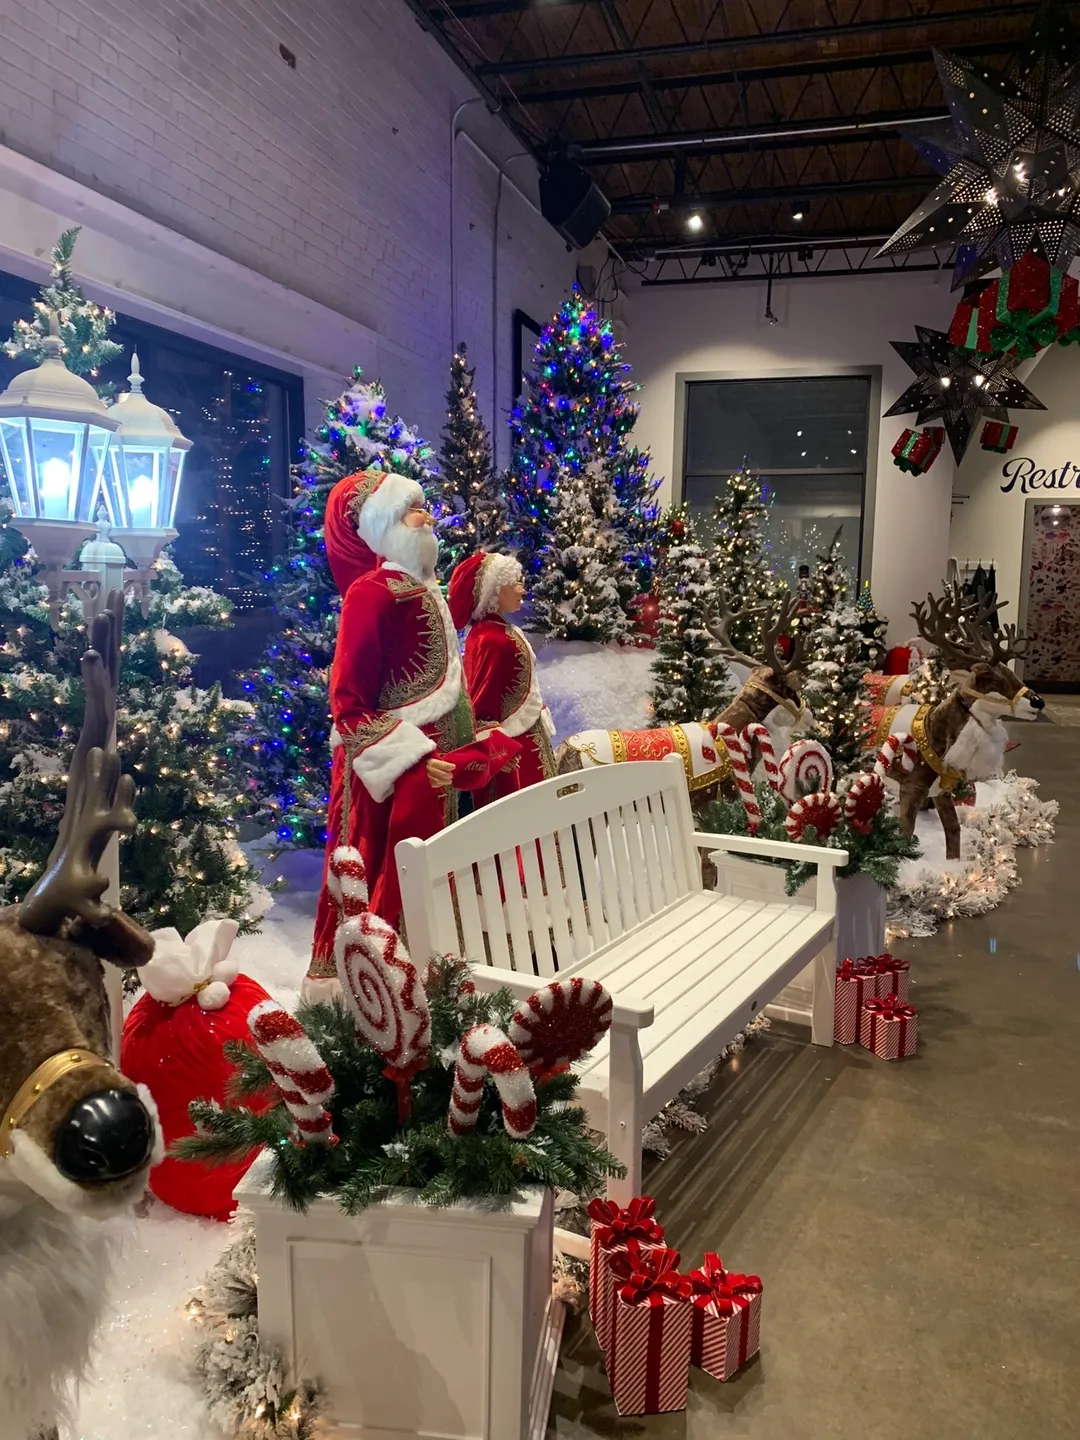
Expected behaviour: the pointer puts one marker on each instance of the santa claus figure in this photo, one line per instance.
(397, 695)
(500, 670)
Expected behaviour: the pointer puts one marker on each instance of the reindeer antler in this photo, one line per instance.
(782, 624)
(724, 616)
(99, 801)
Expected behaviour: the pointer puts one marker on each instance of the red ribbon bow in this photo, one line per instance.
(890, 1008)
(885, 964)
(635, 1222)
(651, 1276)
(854, 970)
(403, 1078)
(730, 1290)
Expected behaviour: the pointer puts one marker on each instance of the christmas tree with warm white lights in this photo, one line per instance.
(468, 500)
(288, 743)
(740, 555)
(834, 688)
(689, 679)
(572, 428)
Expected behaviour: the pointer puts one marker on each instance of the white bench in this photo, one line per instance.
(687, 969)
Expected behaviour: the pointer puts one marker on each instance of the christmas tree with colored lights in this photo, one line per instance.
(574, 423)
(288, 741)
(183, 862)
(84, 326)
(689, 679)
(834, 688)
(469, 503)
(740, 555)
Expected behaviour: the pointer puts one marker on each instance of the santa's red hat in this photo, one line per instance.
(361, 510)
(475, 585)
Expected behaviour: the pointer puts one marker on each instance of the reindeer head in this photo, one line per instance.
(980, 651)
(769, 674)
(74, 1131)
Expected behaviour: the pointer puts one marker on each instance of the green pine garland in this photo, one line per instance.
(375, 1151)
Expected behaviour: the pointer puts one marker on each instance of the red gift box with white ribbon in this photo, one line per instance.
(856, 981)
(648, 1357)
(889, 1028)
(726, 1328)
(893, 977)
(612, 1229)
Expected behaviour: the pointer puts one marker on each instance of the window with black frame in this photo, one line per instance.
(245, 422)
(807, 440)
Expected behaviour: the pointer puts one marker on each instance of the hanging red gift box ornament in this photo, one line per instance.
(998, 436)
(1027, 308)
(916, 450)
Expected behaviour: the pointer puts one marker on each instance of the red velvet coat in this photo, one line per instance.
(396, 697)
(500, 676)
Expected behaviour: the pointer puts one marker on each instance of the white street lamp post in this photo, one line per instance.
(68, 458)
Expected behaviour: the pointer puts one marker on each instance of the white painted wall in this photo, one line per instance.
(822, 324)
(302, 215)
(988, 520)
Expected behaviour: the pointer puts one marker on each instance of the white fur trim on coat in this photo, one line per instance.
(495, 572)
(383, 763)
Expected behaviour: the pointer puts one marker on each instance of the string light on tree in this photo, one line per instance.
(740, 554)
(469, 500)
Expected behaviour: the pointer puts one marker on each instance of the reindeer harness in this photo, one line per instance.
(704, 756)
(31, 1090)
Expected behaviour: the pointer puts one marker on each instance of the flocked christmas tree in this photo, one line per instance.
(874, 628)
(689, 679)
(740, 554)
(178, 742)
(469, 501)
(574, 420)
(585, 584)
(834, 688)
(288, 741)
(84, 326)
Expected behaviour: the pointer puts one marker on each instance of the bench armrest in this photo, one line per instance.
(631, 1014)
(772, 849)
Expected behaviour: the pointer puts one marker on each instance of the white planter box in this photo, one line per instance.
(860, 930)
(418, 1322)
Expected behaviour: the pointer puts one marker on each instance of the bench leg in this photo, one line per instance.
(824, 996)
(625, 1120)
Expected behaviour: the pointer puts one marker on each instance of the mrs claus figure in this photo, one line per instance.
(500, 673)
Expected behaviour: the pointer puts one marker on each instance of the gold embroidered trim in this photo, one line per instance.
(403, 586)
(717, 775)
(949, 778)
(618, 746)
(367, 482)
(322, 967)
(884, 726)
(416, 683)
(354, 742)
(519, 691)
(539, 737)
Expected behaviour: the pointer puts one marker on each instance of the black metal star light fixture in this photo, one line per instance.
(1010, 157)
(953, 385)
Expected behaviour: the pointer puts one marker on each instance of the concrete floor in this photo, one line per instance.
(916, 1225)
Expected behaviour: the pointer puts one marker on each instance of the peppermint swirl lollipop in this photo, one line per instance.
(865, 797)
(560, 1023)
(806, 766)
(822, 811)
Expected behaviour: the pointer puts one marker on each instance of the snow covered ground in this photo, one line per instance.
(590, 687)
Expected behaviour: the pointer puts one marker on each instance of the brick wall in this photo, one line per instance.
(332, 179)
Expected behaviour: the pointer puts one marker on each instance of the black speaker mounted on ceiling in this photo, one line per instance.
(571, 202)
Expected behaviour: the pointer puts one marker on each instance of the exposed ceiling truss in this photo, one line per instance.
(743, 113)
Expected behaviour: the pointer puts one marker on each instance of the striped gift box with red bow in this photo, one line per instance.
(889, 1028)
(648, 1355)
(613, 1227)
(726, 1326)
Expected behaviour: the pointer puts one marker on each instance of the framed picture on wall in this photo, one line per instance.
(526, 333)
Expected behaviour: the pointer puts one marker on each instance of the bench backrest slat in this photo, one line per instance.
(539, 880)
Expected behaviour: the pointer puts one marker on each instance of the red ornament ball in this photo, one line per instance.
(178, 1053)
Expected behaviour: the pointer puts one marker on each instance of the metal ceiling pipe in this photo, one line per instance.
(812, 36)
(722, 199)
(595, 150)
(759, 246)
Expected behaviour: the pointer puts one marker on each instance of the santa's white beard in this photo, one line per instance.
(414, 548)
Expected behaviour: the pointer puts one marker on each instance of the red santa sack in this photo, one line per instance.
(173, 1043)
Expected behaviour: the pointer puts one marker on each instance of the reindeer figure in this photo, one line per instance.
(930, 749)
(771, 684)
(77, 1139)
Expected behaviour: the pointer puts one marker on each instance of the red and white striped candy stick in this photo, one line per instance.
(486, 1052)
(740, 769)
(298, 1070)
(900, 747)
(347, 881)
(806, 765)
(758, 732)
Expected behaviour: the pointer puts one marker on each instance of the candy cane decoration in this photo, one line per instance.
(865, 797)
(822, 811)
(759, 733)
(900, 748)
(740, 769)
(301, 1077)
(560, 1023)
(806, 767)
(347, 881)
(486, 1052)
